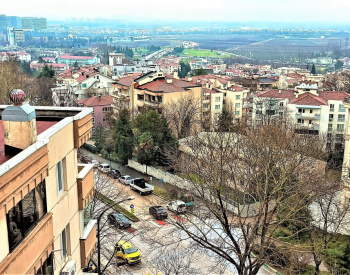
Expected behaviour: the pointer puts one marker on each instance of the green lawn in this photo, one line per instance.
(202, 53)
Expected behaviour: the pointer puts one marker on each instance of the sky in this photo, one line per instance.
(185, 10)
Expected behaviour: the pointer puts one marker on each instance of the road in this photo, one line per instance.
(147, 228)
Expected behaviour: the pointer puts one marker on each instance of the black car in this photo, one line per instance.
(114, 174)
(158, 212)
(119, 220)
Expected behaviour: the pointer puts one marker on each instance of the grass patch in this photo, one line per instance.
(162, 193)
(203, 53)
(310, 270)
(117, 207)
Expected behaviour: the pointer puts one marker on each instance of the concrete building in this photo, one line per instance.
(116, 59)
(35, 23)
(81, 60)
(45, 213)
(345, 186)
(19, 35)
(11, 36)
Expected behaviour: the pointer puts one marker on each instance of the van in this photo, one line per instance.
(104, 168)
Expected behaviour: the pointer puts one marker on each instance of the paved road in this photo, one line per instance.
(147, 225)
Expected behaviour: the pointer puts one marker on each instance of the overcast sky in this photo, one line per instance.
(188, 10)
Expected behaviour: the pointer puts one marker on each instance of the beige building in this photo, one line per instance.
(345, 187)
(45, 215)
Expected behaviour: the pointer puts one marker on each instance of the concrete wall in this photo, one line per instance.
(248, 210)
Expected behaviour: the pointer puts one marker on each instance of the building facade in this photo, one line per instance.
(45, 217)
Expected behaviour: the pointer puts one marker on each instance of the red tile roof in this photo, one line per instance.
(128, 80)
(274, 93)
(161, 85)
(308, 99)
(76, 57)
(96, 101)
(329, 95)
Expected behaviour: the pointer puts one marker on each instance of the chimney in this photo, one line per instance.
(169, 80)
(176, 75)
(279, 91)
(189, 78)
(198, 80)
(19, 123)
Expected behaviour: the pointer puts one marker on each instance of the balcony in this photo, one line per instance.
(85, 184)
(82, 130)
(307, 116)
(341, 119)
(342, 110)
(331, 109)
(153, 103)
(36, 246)
(88, 243)
(340, 130)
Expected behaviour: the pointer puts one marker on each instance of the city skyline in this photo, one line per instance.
(297, 11)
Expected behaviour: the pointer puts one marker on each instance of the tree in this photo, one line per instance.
(184, 70)
(47, 71)
(152, 137)
(183, 115)
(199, 71)
(41, 60)
(241, 184)
(313, 69)
(124, 138)
(338, 65)
(76, 64)
(225, 121)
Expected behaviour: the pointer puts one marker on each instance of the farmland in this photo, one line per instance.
(202, 53)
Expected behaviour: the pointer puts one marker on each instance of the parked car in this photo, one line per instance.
(114, 174)
(95, 163)
(104, 168)
(125, 179)
(158, 212)
(119, 220)
(127, 252)
(177, 206)
(86, 159)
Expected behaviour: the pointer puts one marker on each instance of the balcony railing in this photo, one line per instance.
(88, 243)
(342, 110)
(341, 119)
(153, 103)
(340, 130)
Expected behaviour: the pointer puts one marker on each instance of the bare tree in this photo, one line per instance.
(184, 115)
(242, 184)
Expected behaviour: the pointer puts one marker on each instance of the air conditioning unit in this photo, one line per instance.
(70, 268)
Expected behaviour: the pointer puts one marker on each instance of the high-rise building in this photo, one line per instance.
(35, 23)
(11, 36)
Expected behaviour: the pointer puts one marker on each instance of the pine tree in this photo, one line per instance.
(313, 69)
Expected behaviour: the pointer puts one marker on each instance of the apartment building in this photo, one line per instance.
(318, 112)
(345, 186)
(80, 60)
(45, 211)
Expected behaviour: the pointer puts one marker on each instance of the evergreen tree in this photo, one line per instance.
(152, 138)
(185, 69)
(199, 71)
(225, 121)
(47, 72)
(124, 138)
(313, 69)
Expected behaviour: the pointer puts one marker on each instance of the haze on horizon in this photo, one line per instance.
(324, 11)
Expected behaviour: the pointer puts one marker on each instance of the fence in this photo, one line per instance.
(246, 210)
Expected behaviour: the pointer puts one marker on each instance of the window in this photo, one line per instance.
(64, 244)
(207, 97)
(330, 127)
(341, 107)
(217, 107)
(104, 119)
(23, 217)
(140, 97)
(341, 117)
(280, 113)
(237, 113)
(84, 85)
(310, 111)
(206, 105)
(301, 111)
(47, 266)
(301, 121)
(238, 97)
(281, 104)
(340, 127)
(217, 99)
(310, 121)
(59, 177)
(106, 109)
(87, 214)
(331, 106)
(238, 105)
(331, 117)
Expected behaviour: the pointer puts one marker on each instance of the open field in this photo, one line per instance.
(202, 53)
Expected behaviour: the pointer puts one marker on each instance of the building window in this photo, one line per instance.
(140, 97)
(104, 119)
(280, 113)
(237, 113)
(341, 117)
(238, 97)
(217, 99)
(47, 266)
(341, 107)
(330, 127)
(64, 244)
(310, 111)
(106, 109)
(206, 105)
(59, 177)
(217, 107)
(23, 217)
(331, 117)
(310, 121)
(301, 111)
(331, 106)
(87, 214)
(238, 105)
(301, 121)
(340, 127)
(281, 104)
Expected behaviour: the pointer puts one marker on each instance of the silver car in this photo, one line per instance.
(125, 179)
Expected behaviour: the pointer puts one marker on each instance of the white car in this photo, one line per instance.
(177, 206)
(125, 179)
(104, 168)
(95, 162)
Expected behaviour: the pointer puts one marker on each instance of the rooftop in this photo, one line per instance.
(96, 101)
(161, 85)
(76, 57)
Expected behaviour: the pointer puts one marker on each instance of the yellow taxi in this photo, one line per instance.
(129, 253)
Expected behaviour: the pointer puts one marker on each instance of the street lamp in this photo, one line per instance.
(98, 233)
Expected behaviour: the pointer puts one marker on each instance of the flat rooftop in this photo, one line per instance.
(41, 126)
